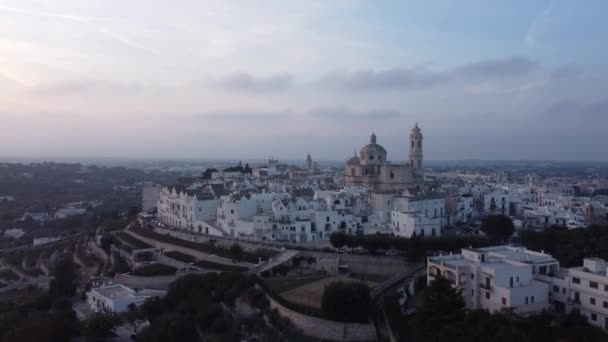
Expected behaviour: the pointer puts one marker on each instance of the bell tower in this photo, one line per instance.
(416, 149)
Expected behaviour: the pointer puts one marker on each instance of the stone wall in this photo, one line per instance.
(326, 329)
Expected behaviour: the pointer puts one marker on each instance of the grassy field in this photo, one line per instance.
(282, 284)
(365, 277)
(310, 294)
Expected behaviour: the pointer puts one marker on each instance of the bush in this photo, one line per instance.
(346, 302)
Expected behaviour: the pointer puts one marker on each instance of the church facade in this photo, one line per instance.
(372, 169)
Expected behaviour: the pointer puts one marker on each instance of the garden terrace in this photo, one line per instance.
(219, 267)
(133, 241)
(183, 257)
(209, 248)
(154, 270)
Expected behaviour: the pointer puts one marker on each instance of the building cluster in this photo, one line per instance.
(371, 194)
(531, 202)
(300, 204)
(525, 282)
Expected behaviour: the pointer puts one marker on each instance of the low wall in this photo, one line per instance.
(326, 329)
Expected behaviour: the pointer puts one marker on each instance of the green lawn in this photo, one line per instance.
(282, 284)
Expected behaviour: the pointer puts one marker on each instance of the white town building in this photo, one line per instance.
(496, 278)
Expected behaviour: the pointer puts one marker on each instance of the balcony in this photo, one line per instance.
(486, 287)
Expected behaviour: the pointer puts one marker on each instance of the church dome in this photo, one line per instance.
(354, 160)
(374, 149)
(372, 153)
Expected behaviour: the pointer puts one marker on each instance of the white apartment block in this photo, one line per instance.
(496, 202)
(188, 210)
(414, 223)
(514, 278)
(583, 289)
(116, 298)
(496, 278)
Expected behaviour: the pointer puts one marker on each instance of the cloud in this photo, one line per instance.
(81, 87)
(404, 79)
(242, 117)
(245, 82)
(348, 115)
(498, 68)
(390, 79)
(595, 109)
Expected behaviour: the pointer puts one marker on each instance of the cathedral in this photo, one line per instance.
(372, 169)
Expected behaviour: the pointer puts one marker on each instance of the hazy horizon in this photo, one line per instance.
(230, 80)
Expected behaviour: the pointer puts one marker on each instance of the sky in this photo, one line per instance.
(249, 79)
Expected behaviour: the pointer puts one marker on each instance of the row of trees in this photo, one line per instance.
(569, 246)
(48, 316)
(415, 248)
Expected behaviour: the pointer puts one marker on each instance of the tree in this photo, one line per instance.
(346, 302)
(101, 325)
(207, 173)
(63, 283)
(236, 251)
(497, 227)
(442, 305)
(338, 240)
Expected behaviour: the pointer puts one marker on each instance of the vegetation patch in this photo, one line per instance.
(281, 284)
(154, 270)
(183, 257)
(9, 275)
(210, 248)
(220, 267)
(133, 241)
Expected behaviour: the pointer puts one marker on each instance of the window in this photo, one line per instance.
(371, 157)
(576, 280)
(591, 300)
(532, 299)
(593, 317)
(606, 288)
(504, 301)
(605, 305)
(526, 300)
(555, 288)
(487, 295)
(472, 275)
(593, 285)
(392, 175)
(542, 270)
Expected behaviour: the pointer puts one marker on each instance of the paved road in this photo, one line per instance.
(378, 290)
(275, 261)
